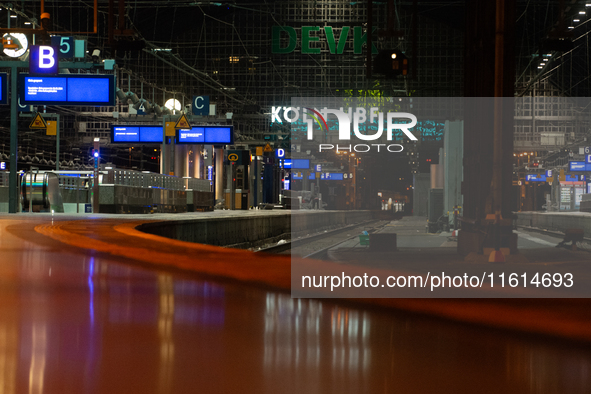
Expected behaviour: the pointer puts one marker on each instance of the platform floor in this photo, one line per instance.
(87, 305)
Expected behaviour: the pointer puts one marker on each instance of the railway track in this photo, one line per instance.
(316, 245)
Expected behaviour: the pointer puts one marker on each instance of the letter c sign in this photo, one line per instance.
(200, 105)
(43, 59)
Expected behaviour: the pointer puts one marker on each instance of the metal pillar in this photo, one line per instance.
(219, 173)
(488, 131)
(13, 178)
(57, 143)
(181, 161)
(95, 180)
(197, 164)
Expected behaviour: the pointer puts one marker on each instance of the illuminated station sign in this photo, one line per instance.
(144, 134)
(206, 135)
(67, 89)
(3, 88)
(579, 166)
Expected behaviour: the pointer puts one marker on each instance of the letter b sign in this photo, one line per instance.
(43, 59)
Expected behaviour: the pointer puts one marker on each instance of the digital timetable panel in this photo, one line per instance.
(206, 135)
(67, 89)
(3, 88)
(143, 134)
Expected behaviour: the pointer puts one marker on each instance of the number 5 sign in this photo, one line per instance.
(65, 46)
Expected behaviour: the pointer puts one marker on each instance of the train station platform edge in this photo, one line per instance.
(563, 318)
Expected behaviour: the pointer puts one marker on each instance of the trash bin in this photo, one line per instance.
(244, 201)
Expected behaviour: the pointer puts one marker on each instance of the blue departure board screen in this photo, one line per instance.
(223, 135)
(577, 166)
(147, 134)
(332, 176)
(300, 164)
(3, 88)
(194, 136)
(67, 89)
(125, 133)
(141, 134)
(218, 135)
(151, 134)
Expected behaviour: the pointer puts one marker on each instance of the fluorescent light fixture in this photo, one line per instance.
(27, 23)
(576, 20)
(548, 54)
(571, 27)
(13, 16)
(540, 67)
(582, 12)
(162, 49)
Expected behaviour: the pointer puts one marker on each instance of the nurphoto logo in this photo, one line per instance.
(368, 125)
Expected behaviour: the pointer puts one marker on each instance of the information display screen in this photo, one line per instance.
(535, 178)
(68, 89)
(206, 135)
(125, 133)
(332, 176)
(194, 136)
(3, 88)
(577, 166)
(300, 164)
(148, 134)
(151, 134)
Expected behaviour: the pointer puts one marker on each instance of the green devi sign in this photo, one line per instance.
(311, 34)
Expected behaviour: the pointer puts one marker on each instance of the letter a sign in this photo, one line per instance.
(43, 60)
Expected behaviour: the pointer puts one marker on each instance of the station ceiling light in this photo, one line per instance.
(173, 105)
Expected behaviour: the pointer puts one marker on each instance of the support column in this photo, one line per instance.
(13, 177)
(181, 161)
(197, 164)
(219, 173)
(488, 127)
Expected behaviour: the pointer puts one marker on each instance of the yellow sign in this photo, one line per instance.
(38, 123)
(8, 43)
(318, 175)
(259, 151)
(51, 127)
(233, 157)
(169, 129)
(182, 123)
(562, 176)
(268, 148)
